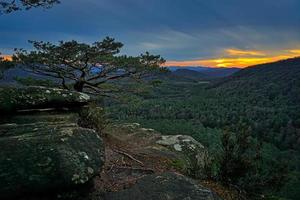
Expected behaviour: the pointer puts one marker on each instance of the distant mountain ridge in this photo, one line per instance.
(207, 72)
(190, 74)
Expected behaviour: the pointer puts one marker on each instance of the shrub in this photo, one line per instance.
(94, 117)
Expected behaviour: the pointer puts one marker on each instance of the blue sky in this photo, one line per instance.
(179, 30)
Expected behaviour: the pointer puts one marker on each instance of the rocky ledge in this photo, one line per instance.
(44, 151)
(46, 155)
(181, 152)
(13, 99)
(142, 164)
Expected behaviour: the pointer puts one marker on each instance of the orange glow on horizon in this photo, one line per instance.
(238, 58)
(6, 57)
(234, 58)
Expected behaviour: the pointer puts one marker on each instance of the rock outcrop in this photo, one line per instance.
(192, 156)
(12, 98)
(181, 152)
(45, 151)
(166, 186)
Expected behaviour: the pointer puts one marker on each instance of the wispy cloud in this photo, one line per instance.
(238, 52)
(179, 30)
(242, 60)
(295, 51)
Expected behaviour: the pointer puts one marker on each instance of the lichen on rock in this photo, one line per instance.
(12, 98)
(192, 155)
(44, 151)
(191, 152)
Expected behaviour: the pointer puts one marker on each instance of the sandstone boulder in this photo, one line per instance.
(45, 152)
(192, 155)
(181, 152)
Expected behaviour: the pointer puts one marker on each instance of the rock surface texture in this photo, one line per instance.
(12, 99)
(45, 151)
(177, 151)
(166, 186)
(191, 154)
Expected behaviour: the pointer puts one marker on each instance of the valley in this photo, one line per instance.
(261, 101)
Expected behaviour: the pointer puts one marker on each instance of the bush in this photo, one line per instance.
(243, 165)
(93, 117)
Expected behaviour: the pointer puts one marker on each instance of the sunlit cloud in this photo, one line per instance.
(237, 52)
(242, 59)
(295, 51)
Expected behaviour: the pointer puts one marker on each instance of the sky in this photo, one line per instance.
(214, 33)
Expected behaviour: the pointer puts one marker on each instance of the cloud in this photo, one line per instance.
(237, 52)
(262, 57)
(295, 51)
(179, 30)
(196, 44)
(151, 46)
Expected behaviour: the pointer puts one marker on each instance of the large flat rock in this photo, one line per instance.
(181, 152)
(46, 152)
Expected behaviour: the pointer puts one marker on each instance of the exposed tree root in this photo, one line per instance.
(129, 156)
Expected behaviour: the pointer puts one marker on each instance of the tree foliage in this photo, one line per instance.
(260, 144)
(238, 155)
(85, 67)
(243, 165)
(9, 6)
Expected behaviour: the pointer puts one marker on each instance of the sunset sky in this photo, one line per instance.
(215, 33)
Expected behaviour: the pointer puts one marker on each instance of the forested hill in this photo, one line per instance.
(190, 74)
(267, 96)
(204, 72)
(271, 81)
(261, 101)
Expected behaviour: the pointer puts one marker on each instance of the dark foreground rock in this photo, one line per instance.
(167, 186)
(47, 154)
(45, 151)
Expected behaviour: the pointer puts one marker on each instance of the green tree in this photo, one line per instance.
(8, 6)
(237, 158)
(243, 164)
(85, 67)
